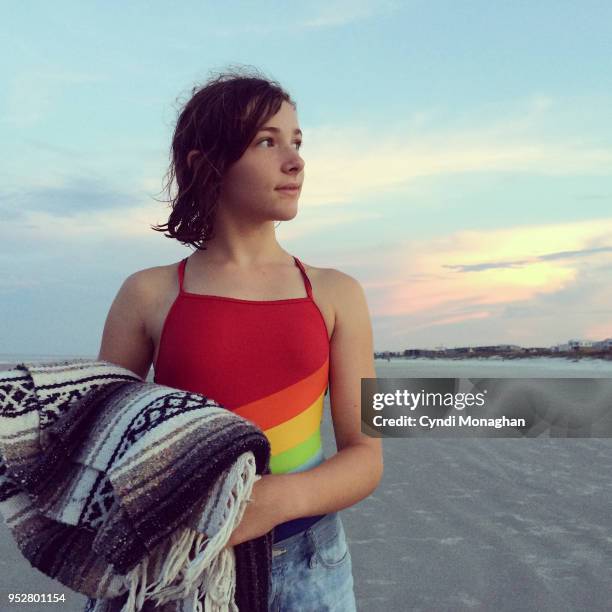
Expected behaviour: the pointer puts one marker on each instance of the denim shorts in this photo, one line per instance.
(312, 570)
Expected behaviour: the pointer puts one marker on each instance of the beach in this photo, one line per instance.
(464, 524)
(487, 524)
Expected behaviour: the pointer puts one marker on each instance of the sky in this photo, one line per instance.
(458, 158)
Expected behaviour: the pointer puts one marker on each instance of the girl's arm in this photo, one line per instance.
(125, 340)
(355, 471)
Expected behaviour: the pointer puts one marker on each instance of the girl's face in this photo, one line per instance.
(251, 186)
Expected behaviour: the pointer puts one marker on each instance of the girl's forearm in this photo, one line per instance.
(339, 482)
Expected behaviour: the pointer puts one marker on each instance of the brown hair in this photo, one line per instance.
(220, 120)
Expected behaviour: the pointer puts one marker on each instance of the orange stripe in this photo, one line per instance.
(283, 405)
(294, 431)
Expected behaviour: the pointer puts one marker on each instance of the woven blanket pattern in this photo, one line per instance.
(128, 491)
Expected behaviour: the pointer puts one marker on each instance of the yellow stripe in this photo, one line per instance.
(297, 456)
(289, 434)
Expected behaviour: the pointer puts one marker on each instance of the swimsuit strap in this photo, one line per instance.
(307, 284)
(181, 273)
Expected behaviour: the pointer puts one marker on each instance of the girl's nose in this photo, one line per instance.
(294, 160)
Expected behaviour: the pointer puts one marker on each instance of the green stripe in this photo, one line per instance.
(296, 456)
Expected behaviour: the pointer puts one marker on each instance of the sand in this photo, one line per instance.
(458, 525)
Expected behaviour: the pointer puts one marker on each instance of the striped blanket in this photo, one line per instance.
(128, 491)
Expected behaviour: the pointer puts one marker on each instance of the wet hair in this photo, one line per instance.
(220, 120)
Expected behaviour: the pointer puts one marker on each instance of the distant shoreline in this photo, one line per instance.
(578, 357)
(7, 365)
(567, 358)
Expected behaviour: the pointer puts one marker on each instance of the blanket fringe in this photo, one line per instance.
(195, 564)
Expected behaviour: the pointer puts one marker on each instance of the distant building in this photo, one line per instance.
(498, 347)
(603, 344)
(577, 344)
(460, 350)
(560, 348)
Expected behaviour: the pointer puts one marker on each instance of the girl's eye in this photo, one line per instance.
(298, 143)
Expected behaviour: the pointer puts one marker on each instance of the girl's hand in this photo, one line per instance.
(263, 512)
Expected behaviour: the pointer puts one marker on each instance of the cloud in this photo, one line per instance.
(62, 150)
(573, 254)
(343, 12)
(488, 266)
(31, 94)
(416, 296)
(562, 255)
(318, 14)
(348, 164)
(595, 196)
(541, 103)
(339, 170)
(543, 271)
(76, 197)
(309, 221)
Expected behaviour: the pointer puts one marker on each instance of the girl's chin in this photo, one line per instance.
(287, 214)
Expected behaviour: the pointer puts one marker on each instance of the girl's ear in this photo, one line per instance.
(190, 157)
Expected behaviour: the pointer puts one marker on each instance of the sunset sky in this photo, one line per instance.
(458, 158)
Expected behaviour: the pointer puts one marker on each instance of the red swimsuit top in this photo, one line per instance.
(267, 360)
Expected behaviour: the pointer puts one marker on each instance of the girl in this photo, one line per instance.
(246, 323)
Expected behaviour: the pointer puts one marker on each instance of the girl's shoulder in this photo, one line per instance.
(156, 277)
(336, 293)
(155, 285)
(331, 280)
